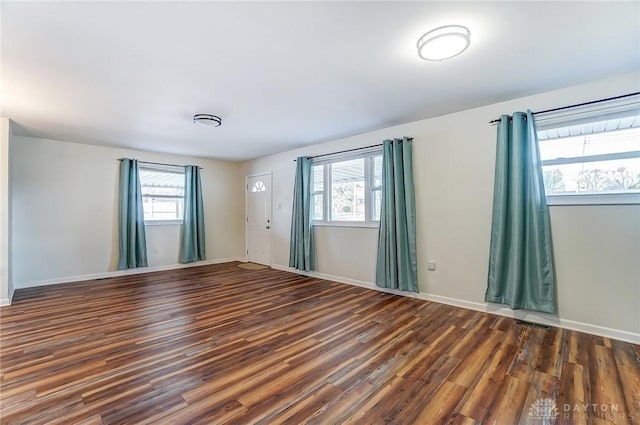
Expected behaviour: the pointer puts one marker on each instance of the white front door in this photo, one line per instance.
(258, 220)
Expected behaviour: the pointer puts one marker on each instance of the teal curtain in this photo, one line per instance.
(192, 242)
(132, 243)
(397, 264)
(521, 272)
(301, 249)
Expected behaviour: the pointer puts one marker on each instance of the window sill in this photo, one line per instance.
(594, 199)
(162, 222)
(362, 224)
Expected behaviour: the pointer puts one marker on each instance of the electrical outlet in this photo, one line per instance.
(431, 266)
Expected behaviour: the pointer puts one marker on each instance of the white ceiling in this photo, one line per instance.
(284, 75)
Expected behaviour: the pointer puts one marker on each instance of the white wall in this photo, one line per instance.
(65, 210)
(597, 248)
(6, 284)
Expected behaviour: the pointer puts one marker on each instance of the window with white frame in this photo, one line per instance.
(162, 193)
(591, 157)
(348, 189)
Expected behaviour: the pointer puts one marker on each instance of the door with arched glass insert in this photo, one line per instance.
(258, 218)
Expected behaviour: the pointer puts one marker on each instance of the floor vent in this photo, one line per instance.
(535, 325)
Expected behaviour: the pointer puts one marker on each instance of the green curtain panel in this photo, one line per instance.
(192, 242)
(132, 243)
(301, 249)
(521, 272)
(397, 264)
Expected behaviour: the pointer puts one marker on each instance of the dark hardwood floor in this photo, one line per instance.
(219, 344)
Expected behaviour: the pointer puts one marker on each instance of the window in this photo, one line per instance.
(162, 194)
(259, 187)
(348, 190)
(595, 161)
(376, 188)
(317, 195)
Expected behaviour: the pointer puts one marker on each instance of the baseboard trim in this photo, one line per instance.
(539, 318)
(7, 301)
(104, 275)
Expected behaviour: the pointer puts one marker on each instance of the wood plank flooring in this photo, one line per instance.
(219, 344)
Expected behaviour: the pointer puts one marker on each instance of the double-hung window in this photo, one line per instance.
(346, 189)
(592, 156)
(162, 194)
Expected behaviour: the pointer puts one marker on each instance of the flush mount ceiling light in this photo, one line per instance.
(207, 120)
(444, 42)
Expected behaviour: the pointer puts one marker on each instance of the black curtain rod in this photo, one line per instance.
(344, 151)
(158, 163)
(578, 105)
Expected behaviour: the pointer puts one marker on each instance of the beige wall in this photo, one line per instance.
(597, 248)
(65, 209)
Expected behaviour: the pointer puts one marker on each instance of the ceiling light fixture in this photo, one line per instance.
(207, 120)
(444, 42)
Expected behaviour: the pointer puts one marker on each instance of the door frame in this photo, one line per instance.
(246, 212)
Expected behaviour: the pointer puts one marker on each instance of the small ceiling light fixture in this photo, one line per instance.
(444, 42)
(207, 120)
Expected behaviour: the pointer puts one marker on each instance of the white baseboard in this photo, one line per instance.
(529, 316)
(103, 275)
(7, 301)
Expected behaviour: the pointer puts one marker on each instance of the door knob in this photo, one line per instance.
(268, 227)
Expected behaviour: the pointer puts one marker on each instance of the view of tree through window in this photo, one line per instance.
(162, 194)
(607, 162)
(347, 190)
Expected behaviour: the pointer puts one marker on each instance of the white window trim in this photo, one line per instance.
(591, 158)
(163, 222)
(627, 198)
(363, 224)
(368, 155)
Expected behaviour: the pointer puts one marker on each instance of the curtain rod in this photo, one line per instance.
(579, 104)
(344, 151)
(158, 163)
